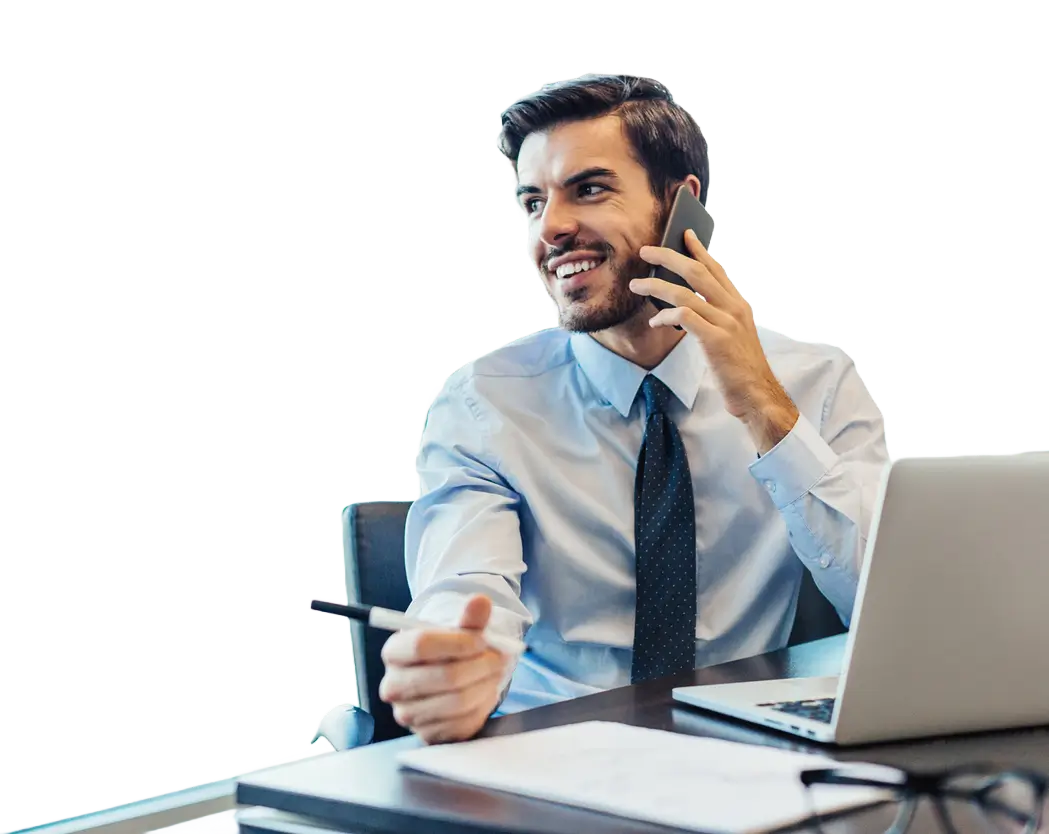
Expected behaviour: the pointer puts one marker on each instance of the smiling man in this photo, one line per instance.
(624, 195)
(631, 498)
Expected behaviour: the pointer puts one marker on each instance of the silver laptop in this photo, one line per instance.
(950, 632)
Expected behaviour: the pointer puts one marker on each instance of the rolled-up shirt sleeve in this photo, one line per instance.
(824, 480)
(463, 533)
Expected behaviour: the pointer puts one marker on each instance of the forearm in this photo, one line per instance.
(463, 536)
(824, 483)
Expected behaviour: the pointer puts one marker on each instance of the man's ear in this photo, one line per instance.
(694, 185)
(691, 182)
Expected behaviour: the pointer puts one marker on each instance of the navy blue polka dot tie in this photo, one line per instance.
(665, 546)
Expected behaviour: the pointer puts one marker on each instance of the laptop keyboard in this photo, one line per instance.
(818, 709)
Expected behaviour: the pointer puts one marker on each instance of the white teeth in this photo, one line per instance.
(574, 267)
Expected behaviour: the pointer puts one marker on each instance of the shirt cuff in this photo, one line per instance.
(794, 465)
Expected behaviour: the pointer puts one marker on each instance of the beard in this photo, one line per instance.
(589, 310)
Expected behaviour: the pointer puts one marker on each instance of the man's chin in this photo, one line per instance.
(583, 317)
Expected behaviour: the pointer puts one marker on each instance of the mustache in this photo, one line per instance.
(599, 246)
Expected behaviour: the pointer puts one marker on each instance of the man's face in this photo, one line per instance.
(590, 209)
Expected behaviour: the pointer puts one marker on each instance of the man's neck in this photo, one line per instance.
(635, 341)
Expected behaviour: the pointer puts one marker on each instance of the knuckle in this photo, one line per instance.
(421, 643)
(443, 675)
(452, 675)
(460, 703)
(396, 648)
(387, 688)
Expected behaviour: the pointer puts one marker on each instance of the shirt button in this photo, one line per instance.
(825, 561)
(771, 486)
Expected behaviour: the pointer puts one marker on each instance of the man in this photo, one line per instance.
(635, 493)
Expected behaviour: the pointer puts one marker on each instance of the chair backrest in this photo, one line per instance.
(373, 540)
(373, 536)
(815, 616)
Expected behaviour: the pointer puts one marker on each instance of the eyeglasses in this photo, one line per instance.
(970, 798)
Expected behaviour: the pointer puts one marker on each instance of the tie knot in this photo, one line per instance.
(657, 395)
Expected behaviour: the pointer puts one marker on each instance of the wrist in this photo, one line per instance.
(770, 421)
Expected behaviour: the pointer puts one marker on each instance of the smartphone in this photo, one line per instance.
(686, 213)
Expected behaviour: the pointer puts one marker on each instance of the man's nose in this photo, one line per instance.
(558, 223)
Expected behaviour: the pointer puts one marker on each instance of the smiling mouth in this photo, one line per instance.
(575, 267)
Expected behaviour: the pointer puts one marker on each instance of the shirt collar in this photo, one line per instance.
(617, 379)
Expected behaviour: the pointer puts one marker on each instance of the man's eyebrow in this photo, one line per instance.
(575, 179)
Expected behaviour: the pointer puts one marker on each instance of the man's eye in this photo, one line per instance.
(591, 189)
(530, 202)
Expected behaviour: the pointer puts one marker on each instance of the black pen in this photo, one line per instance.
(389, 620)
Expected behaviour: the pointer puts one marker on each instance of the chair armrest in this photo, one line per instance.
(346, 726)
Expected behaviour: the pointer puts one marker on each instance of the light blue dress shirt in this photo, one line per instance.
(527, 467)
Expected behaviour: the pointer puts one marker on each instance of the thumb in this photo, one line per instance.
(476, 612)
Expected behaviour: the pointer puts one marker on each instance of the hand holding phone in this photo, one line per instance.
(686, 213)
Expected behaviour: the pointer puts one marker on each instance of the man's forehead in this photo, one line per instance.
(561, 151)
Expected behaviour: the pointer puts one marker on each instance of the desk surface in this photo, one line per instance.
(375, 795)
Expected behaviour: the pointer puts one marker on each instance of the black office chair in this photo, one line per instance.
(373, 549)
(815, 617)
(373, 543)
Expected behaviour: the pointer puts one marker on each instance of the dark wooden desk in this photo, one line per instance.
(376, 796)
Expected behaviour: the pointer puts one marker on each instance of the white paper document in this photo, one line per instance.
(699, 784)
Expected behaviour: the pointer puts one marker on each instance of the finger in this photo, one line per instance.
(687, 319)
(680, 297)
(695, 273)
(476, 612)
(671, 293)
(448, 706)
(713, 265)
(431, 645)
(458, 729)
(410, 683)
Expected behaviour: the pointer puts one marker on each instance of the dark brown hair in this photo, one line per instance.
(666, 140)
